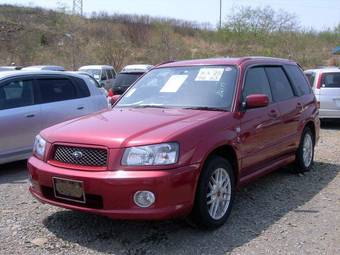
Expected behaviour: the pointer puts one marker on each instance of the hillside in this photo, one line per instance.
(37, 36)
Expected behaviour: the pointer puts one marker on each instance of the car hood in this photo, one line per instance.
(121, 128)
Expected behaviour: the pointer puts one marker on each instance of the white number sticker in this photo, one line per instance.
(209, 74)
(174, 83)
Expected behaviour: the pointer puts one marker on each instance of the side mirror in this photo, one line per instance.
(256, 101)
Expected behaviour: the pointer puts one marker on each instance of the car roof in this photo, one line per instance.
(96, 67)
(13, 74)
(44, 67)
(324, 70)
(139, 68)
(223, 61)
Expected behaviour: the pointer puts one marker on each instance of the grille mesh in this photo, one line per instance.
(86, 156)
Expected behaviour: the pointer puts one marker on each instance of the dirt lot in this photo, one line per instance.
(281, 213)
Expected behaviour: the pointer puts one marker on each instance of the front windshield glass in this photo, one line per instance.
(195, 87)
(96, 73)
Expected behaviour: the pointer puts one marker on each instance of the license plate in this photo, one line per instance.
(71, 190)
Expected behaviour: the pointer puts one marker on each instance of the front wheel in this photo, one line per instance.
(305, 153)
(215, 194)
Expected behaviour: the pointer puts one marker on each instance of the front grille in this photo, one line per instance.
(92, 201)
(80, 156)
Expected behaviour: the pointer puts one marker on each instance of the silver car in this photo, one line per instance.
(326, 86)
(32, 101)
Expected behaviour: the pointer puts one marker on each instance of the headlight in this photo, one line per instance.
(39, 147)
(158, 154)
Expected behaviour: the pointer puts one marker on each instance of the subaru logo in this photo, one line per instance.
(77, 155)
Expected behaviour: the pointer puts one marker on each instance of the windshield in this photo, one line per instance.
(96, 73)
(203, 87)
(126, 79)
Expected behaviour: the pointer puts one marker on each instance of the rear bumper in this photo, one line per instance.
(111, 192)
(329, 114)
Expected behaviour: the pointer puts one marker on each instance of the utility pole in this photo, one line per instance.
(78, 7)
(220, 14)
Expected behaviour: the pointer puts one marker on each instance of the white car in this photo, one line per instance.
(326, 86)
(32, 101)
(104, 74)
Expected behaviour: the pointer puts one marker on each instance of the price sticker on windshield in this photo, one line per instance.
(209, 74)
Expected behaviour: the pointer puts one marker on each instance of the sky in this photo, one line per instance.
(316, 14)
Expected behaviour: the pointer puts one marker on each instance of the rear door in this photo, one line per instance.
(61, 99)
(20, 118)
(330, 95)
(290, 107)
(260, 127)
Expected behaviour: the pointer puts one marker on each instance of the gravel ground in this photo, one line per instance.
(282, 213)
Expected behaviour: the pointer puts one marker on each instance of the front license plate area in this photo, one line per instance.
(70, 190)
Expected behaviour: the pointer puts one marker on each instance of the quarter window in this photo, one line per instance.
(279, 84)
(16, 94)
(256, 83)
(53, 90)
(109, 74)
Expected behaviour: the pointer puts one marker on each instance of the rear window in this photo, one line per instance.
(298, 79)
(331, 80)
(53, 90)
(126, 79)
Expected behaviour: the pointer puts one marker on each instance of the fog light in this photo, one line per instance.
(144, 198)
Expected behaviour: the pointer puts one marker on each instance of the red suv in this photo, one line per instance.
(181, 141)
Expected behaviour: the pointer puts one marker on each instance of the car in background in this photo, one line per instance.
(43, 68)
(9, 68)
(326, 86)
(128, 76)
(104, 74)
(181, 141)
(93, 80)
(32, 101)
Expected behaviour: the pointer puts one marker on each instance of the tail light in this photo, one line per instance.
(111, 93)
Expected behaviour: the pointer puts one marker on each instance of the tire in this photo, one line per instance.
(221, 195)
(305, 153)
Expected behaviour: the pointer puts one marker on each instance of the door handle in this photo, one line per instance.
(299, 106)
(273, 114)
(31, 115)
(80, 108)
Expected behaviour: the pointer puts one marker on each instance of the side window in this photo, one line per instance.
(83, 90)
(109, 74)
(311, 78)
(298, 79)
(16, 94)
(279, 83)
(104, 76)
(113, 73)
(53, 90)
(256, 82)
(331, 80)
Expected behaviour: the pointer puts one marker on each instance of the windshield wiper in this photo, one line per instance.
(149, 106)
(206, 108)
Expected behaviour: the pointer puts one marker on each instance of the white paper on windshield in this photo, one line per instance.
(209, 74)
(174, 83)
(130, 92)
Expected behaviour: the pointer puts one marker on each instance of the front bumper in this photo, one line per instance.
(111, 193)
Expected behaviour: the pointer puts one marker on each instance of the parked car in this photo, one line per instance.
(326, 85)
(92, 80)
(104, 74)
(32, 101)
(181, 141)
(9, 68)
(43, 67)
(128, 76)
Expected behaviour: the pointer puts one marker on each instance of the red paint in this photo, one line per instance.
(255, 101)
(263, 139)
